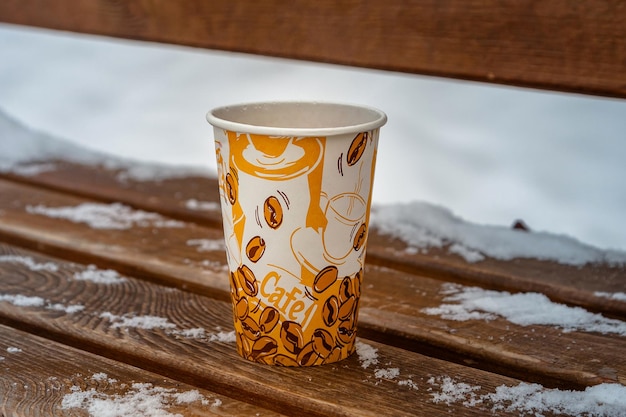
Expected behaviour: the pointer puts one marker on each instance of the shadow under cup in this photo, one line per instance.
(295, 181)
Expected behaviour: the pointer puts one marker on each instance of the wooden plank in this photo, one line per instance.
(38, 374)
(392, 303)
(179, 197)
(162, 253)
(112, 323)
(568, 284)
(557, 45)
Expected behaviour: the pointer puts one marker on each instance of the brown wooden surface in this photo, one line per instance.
(37, 377)
(561, 45)
(389, 313)
(213, 364)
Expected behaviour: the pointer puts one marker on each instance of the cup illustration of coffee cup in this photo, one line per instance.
(346, 215)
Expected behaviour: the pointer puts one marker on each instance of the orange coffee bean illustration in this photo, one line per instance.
(243, 345)
(284, 360)
(334, 356)
(357, 147)
(247, 280)
(264, 346)
(346, 308)
(251, 329)
(356, 283)
(292, 336)
(269, 319)
(307, 356)
(359, 237)
(255, 248)
(323, 343)
(234, 286)
(345, 334)
(346, 289)
(330, 311)
(231, 188)
(241, 308)
(325, 278)
(273, 212)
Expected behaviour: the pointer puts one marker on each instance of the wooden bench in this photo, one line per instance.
(121, 315)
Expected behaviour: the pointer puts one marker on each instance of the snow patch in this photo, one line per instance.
(422, 225)
(35, 301)
(524, 309)
(368, 355)
(146, 322)
(387, 373)
(26, 151)
(30, 263)
(99, 276)
(603, 400)
(23, 300)
(141, 400)
(207, 245)
(114, 216)
(620, 296)
(193, 204)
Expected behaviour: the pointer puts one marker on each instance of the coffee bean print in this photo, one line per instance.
(292, 336)
(323, 343)
(347, 308)
(345, 335)
(273, 212)
(234, 286)
(255, 248)
(231, 188)
(325, 278)
(251, 329)
(346, 290)
(263, 347)
(357, 147)
(247, 280)
(330, 311)
(269, 319)
(359, 237)
(243, 345)
(241, 308)
(334, 356)
(357, 282)
(307, 356)
(284, 360)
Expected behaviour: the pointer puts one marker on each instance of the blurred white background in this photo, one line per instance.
(490, 154)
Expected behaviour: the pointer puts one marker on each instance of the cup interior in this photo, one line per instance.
(297, 118)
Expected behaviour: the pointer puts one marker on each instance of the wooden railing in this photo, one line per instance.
(574, 46)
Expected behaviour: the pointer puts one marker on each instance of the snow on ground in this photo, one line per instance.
(141, 400)
(491, 154)
(603, 400)
(524, 309)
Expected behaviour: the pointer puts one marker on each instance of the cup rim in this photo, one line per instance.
(216, 117)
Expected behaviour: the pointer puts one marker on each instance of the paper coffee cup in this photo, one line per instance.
(295, 181)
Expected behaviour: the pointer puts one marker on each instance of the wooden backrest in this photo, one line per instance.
(564, 45)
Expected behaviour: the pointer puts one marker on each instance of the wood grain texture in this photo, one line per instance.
(162, 253)
(37, 374)
(392, 303)
(177, 350)
(559, 45)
